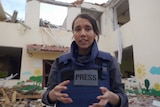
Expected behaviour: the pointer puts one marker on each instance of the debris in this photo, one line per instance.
(156, 103)
(6, 79)
(14, 97)
(14, 16)
(77, 2)
(7, 101)
(10, 98)
(144, 101)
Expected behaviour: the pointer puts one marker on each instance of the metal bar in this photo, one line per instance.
(56, 3)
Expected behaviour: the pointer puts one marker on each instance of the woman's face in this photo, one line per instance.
(83, 34)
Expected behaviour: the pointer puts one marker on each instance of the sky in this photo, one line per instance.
(47, 12)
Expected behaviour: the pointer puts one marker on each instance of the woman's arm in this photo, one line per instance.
(117, 86)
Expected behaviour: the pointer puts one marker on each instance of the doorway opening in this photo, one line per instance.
(127, 65)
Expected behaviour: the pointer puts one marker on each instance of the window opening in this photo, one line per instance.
(127, 65)
(122, 11)
(52, 15)
(10, 62)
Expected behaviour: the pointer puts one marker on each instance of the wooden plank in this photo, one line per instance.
(59, 3)
(14, 97)
(7, 101)
(29, 96)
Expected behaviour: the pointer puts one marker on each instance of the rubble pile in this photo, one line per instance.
(142, 100)
(12, 97)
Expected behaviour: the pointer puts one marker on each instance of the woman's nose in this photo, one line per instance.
(83, 32)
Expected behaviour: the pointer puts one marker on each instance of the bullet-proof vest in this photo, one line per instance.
(84, 95)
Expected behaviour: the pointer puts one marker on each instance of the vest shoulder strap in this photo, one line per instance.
(64, 60)
(102, 59)
(104, 55)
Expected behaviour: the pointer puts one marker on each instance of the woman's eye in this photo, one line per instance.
(88, 28)
(77, 29)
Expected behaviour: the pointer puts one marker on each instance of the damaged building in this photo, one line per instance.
(129, 31)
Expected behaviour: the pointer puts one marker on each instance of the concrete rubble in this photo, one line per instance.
(13, 97)
(8, 99)
(143, 100)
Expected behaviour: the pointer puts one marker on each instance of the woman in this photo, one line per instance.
(85, 77)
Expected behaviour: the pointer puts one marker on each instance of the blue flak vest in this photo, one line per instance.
(83, 96)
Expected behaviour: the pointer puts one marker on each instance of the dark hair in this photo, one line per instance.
(91, 20)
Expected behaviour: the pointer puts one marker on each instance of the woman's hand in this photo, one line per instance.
(106, 97)
(56, 93)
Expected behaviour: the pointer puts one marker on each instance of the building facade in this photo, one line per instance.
(129, 31)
